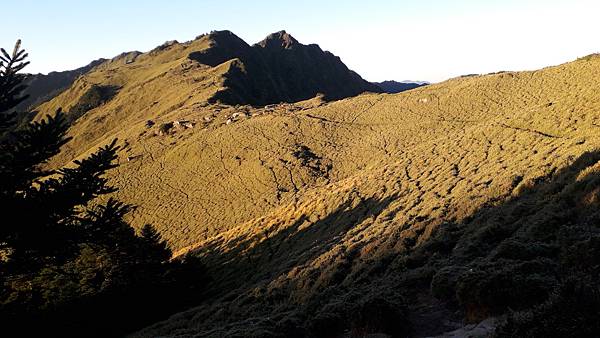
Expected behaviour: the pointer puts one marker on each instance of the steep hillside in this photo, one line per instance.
(434, 199)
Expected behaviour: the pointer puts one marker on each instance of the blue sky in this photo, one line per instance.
(422, 40)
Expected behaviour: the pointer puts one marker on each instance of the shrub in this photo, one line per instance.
(164, 128)
(492, 288)
(521, 250)
(327, 324)
(583, 255)
(571, 311)
(378, 315)
(443, 283)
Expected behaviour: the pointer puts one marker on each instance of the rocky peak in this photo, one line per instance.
(280, 39)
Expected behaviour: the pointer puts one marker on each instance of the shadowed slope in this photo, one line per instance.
(504, 255)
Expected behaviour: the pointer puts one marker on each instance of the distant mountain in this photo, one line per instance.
(393, 87)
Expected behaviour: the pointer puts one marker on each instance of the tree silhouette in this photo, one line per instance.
(71, 263)
(11, 83)
(157, 249)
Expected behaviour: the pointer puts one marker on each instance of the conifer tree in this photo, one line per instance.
(157, 249)
(45, 217)
(11, 83)
(67, 257)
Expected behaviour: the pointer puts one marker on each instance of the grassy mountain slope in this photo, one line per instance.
(426, 188)
(313, 212)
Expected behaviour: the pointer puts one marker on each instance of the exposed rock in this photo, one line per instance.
(184, 124)
(165, 128)
(280, 39)
(164, 46)
(127, 57)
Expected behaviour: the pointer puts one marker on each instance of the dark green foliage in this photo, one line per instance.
(358, 315)
(378, 315)
(443, 241)
(524, 250)
(11, 83)
(70, 265)
(443, 283)
(99, 293)
(327, 324)
(104, 225)
(581, 254)
(492, 288)
(571, 311)
(522, 255)
(57, 201)
(26, 150)
(157, 249)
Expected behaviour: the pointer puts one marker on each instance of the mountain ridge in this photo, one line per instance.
(394, 87)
